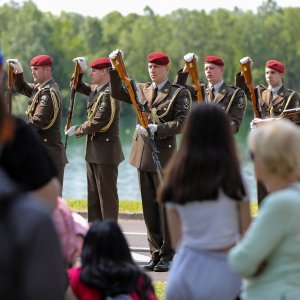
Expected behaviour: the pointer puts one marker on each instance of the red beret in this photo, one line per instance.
(158, 58)
(216, 60)
(41, 60)
(100, 63)
(276, 65)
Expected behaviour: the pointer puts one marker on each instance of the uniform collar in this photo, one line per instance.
(160, 85)
(217, 86)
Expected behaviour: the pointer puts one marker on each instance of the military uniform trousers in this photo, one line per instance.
(155, 217)
(103, 200)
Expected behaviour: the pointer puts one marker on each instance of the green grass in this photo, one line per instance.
(131, 206)
(160, 289)
(124, 205)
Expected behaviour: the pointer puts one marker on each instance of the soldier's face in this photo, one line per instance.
(97, 75)
(273, 77)
(213, 73)
(158, 73)
(39, 74)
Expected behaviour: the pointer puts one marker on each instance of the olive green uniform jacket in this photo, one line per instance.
(168, 111)
(285, 98)
(103, 150)
(230, 98)
(44, 114)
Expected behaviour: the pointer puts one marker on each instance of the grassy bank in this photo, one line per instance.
(128, 206)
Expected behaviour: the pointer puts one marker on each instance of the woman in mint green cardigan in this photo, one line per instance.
(269, 255)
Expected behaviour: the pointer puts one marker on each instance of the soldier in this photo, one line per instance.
(103, 146)
(166, 106)
(45, 106)
(231, 98)
(273, 100)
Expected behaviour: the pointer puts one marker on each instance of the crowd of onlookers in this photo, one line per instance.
(48, 252)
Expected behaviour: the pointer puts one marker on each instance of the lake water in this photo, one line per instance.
(75, 183)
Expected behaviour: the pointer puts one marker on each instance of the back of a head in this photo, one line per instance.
(207, 127)
(105, 241)
(206, 161)
(276, 146)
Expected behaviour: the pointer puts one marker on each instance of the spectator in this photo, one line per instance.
(269, 257)
(31, 264)
(207, 207)
(107, 267)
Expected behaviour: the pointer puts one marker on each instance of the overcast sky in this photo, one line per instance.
(100, 8)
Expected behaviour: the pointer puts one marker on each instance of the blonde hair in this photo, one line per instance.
(276, 146)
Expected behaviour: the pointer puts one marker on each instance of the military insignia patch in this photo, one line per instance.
(44, 100)
(186, 103)
(241, 103)
(103, 106)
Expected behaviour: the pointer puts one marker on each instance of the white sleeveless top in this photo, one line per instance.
(209, 225)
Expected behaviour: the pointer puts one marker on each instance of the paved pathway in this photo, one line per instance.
(135, 232)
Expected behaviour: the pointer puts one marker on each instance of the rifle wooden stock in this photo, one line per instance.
(10, 83)
(72, 100)
(193, 72)
(246, 71)
(139, 107)
(292, 114)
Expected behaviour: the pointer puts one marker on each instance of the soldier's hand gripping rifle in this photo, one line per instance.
(72, 100)
(118, 63)
(10, 83)
(246, 71)
(190, 60)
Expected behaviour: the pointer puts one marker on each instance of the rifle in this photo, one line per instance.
(10, 83)
(193, 72)
(72, 100)
(139, 107)
(292, 114)
(246, 71)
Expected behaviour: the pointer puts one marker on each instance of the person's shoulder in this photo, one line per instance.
(261, 87)
(290, 91)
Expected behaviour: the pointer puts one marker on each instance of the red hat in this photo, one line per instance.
(158, 58)
(216, 60)
(276, 65)
(41, 60)
(100, 63)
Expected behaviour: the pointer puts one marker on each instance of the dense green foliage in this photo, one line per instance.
(273, 32)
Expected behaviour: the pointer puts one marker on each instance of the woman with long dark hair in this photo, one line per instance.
(206, 206)
(107, 268)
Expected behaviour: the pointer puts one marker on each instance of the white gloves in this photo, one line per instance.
(15, 64)
(246, 59)
(140, 129)
(190, 56)
(82, 63)
(153, 128)
(71, 131)
(114, 54)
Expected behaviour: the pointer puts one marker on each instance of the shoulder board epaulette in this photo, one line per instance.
(262, 86)
(290, 90)
(177, 85)
(233, 87)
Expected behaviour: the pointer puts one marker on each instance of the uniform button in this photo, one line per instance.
(279, 109)
(107, 139)
(165, 108)
(45, 140)
(170, 146)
